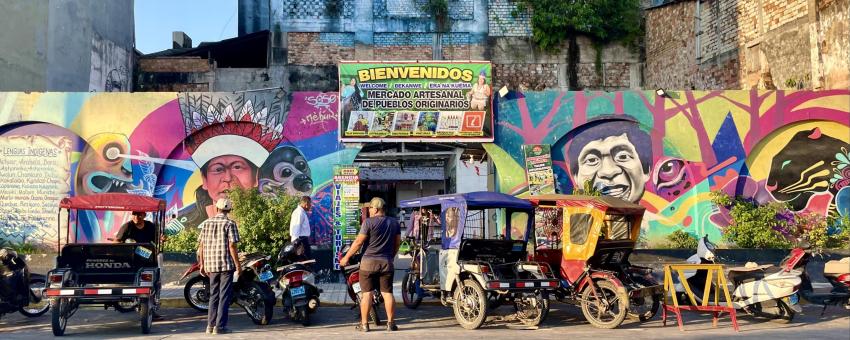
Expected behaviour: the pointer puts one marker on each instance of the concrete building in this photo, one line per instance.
(66, 45)
(764, 44)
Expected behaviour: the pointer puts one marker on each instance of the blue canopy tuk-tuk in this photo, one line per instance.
(477, 260)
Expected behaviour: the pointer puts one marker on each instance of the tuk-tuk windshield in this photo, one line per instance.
(493, 223)
(548, 223)
(617, 227)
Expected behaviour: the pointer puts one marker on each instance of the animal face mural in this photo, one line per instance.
(803, 167)
(769, 146)
(103, 166)
(286, 170)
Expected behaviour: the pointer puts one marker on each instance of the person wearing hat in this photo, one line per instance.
(480, 93)
(219, 258)
(137, 229)
(382, 236)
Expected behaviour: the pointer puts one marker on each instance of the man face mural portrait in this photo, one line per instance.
(227, 172)
(614, 156)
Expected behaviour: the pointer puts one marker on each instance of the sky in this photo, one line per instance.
(202, 20)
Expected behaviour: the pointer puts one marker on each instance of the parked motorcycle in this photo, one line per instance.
(352, 282)
(297, 283)
(837, 273)
(250, 291)
(756, 292)
(20, 290)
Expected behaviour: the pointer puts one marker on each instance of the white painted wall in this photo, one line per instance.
(468, 179)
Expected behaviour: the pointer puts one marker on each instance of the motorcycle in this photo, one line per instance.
(20, 290)
(351, 272)
(837, 273)
(251, 290)
(296, 283)
(756, 292)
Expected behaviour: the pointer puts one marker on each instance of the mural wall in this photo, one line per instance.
(667, 154)
(670, 153)
(185, 148)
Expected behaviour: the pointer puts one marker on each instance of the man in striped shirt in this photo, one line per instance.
(219, 258)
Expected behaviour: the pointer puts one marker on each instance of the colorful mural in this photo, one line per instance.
(670, 153)
(666, 153)
(186, 148)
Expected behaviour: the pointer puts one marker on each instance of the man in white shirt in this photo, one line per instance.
(299, 224)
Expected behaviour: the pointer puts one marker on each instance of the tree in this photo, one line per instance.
(604, 21)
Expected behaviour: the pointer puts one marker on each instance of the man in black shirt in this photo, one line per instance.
(137, 229)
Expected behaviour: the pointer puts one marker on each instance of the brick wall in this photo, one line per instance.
(506, 21)
(403, 46)
(780, 12)
(316, 9)
(529, 76)
(718, 28)
(670, 49)
(173, 64)
(319, 48)
(834, 39)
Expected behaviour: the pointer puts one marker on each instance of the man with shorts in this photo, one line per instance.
(382, 236)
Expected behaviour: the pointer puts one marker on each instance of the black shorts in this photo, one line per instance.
(376, 274)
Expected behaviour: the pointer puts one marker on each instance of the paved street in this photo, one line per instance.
(433, 322)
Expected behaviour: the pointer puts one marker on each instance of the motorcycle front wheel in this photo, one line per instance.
(35, 309)
(608, 308)
(775, 310)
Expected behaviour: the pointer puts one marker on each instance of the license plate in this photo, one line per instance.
(266, 275)
(297, 291)
(356, 287)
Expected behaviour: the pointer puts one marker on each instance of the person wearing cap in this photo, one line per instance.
(382, 236)
(219, 258)
(479, 95)
(137, 229)
(299, 225)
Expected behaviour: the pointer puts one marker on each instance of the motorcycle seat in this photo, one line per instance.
(837, 267)
(748, 273)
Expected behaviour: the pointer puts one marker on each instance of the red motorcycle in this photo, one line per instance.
(352, 282)
(836, 272)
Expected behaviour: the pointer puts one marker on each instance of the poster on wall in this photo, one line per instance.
(346, 207)
(415, 101)
(36, 175)
(538, 169)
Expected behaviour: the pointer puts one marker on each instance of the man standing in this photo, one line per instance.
(218, 257)
(382, 236)
(299, 225)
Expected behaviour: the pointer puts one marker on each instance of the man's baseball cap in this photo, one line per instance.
(224, 204)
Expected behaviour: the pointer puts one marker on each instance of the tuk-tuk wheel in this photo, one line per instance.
(608, 309)
(145, 315)
(532, 311)
(59, 317)
(470, 305)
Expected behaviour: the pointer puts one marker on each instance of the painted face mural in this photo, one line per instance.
(286, 170)
(804, 167)
(103, 167)
(614, 157)
(229, 143)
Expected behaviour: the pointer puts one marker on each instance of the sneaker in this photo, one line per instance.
(210, 330)
(221, 331)
(362, 328)
(391, 327)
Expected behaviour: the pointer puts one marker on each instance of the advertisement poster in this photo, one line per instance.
(538, 169)
(346, 207)
(415, 101)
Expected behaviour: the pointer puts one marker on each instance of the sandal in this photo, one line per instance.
(362, 328)
(391, 327)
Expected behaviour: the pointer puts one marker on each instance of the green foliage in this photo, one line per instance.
(554, 21)
(186, 241)
(815, 228)
(587, 189)
(681, 240)
(755, 225)
(263, 219)
(439, 10)
(23, 248)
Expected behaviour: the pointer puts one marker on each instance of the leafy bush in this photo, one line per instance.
(186, 241)
(680, 239)
(263, 219)
(587, 189)
(822, 232)
(24, 248)
(755, 225)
